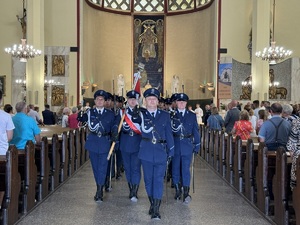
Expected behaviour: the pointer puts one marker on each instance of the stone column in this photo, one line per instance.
(260, 39)
(35, 66)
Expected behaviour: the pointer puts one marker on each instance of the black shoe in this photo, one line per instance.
(107, 187)
(156, 204)
(118, 175)
(186, 197)
(135, 189)
(130, 190)
(151, 205)
(178, 192)
(99, 194)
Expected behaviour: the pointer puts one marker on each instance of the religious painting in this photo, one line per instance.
(225, 79)
(149, 50)
(58, 65)
(3, 85)
(58, 95)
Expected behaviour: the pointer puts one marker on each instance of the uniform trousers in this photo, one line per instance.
(99, 165)
(154, 178)
(132, 165)
(181, 168)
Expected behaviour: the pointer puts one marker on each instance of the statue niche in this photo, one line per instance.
(246, 89)
(273, 89)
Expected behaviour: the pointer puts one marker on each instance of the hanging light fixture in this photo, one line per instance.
(23, 51)
(274, 53)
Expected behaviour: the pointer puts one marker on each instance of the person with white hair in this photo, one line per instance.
(65, 118)
(287, 113)
(26, 128)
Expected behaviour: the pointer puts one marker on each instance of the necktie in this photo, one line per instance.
(153, 114)
(181, 114)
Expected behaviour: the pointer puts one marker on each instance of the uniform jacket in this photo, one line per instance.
(162, 131)
(186, 138)
(101, 127)
(129, 140)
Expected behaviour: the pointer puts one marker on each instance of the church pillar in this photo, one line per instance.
(35, 67)
(260, 39)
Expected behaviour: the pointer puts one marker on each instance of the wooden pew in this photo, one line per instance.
(217, 150)
(82, 142)
(42, 162)
(211, 147)
(237, 165)
(206, 144)
(229, 159)
(54, 157)
(77, 149)
(10, 186)
(249, 171)
(202, 131)
(28, 172)
(263, 197)
(280, 188)
(64, 157)
(296, 194)
(71, 145)
(87, 153)
(222, 154)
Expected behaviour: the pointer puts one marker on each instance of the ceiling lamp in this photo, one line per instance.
(23, 51)
(273, 54)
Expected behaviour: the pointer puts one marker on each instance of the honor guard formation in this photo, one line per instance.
(160, 139)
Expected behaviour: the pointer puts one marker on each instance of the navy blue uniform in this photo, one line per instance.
(187, 140)
(156, 146)
(129, 146)
(99, 140)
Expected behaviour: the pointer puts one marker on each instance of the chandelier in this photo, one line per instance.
(23, 51)
(274, 53)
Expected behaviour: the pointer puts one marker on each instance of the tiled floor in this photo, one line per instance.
(214, 202)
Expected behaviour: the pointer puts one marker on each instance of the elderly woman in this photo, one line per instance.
(215, 121)
(243, 127)
(294, 148)
(65, 118)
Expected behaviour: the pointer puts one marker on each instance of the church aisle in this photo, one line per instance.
(214, 202)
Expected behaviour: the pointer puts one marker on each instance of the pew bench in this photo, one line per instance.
(10, 185)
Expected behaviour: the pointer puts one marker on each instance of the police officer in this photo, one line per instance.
(130, 139)
(103, 129)
(157, 146)
(187, 142)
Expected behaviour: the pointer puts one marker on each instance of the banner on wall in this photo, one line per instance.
(225, 79)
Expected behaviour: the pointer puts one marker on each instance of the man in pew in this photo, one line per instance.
(48, 116)
(274, 133)
(6, 129)
(103, 127)
(294, 148)
(232, 115)
(26, 127)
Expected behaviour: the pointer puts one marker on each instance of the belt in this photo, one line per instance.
(182, 136)
(154, 141)
(100, 134)
(130, 133)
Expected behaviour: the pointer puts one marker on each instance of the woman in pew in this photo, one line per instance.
(243, 127)
(215, 121)
(6, 129)
(294, 148)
